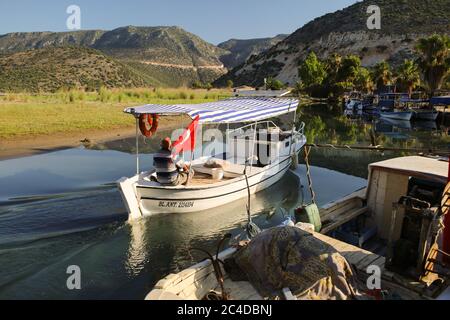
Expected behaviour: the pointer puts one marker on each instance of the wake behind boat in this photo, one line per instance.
(260, 151)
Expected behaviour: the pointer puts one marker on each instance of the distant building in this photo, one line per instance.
(262, 93)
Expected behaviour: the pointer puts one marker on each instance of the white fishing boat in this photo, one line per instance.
(258, 150)
(354, 104)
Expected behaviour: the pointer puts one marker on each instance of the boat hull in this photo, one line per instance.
(426, 115)
(401, 115)
(156, 201)
(145, 198)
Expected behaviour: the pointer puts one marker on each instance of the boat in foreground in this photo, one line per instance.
(260, 151)
(395, 225)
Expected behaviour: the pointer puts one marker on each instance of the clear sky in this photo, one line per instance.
(213, 20)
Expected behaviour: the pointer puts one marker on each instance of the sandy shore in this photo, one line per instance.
(21, 147)
(27, 146)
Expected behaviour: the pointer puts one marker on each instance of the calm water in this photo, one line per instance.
(62, 208)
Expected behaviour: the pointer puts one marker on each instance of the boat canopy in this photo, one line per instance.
(415, 166)
(234, 110)
(408, 100)
(444, 100)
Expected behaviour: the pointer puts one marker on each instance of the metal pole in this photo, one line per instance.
(137, 146)
(292, 133)
(253, 147)
(226, 141)
(192, 159)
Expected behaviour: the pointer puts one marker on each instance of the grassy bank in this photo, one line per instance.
(26, 115)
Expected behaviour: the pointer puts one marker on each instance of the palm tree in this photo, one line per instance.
(408, 76)
(382, 74)
(332, 66)
(434, 61)
(363, 81)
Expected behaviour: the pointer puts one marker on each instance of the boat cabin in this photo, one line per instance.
(399, 217)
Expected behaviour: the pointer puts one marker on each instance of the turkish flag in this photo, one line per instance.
(186, 142)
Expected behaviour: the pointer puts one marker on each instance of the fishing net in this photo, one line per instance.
(288, 257)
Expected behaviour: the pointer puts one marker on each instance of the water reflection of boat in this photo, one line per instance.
(261, 149)
(397, 115)
(209, 223)
(427, 115)
(401, 124)
(395, 226)
(425, 125)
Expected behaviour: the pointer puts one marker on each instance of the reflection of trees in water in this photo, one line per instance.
(326, 124)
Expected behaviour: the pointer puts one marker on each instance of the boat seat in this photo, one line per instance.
(230, 170)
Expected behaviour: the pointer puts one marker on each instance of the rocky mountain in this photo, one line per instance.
(52, 68)
(241, 50)
(346, 32)
(21, 41)
(171, 55)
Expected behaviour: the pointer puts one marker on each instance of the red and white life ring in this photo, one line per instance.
(148, 123)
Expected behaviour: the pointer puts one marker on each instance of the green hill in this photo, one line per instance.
(345, 32)
(21, 41)
(163, 56)
(50, 69)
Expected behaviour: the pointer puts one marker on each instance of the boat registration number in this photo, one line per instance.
(176, 204)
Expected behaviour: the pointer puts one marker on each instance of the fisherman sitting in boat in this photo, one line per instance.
(169, 169)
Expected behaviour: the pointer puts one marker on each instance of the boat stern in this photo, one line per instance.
(128, 193)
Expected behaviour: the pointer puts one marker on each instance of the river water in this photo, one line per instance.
(62, 208)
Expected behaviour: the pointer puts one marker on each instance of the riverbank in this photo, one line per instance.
(31, 124)
(24, 146)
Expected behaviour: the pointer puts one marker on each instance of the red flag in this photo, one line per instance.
(186, 142)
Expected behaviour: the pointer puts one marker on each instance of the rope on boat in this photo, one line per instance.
(379, 148)
(307, 150)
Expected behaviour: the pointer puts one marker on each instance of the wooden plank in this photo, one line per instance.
(356, 257)
(367, 261)
(342, 246)
(352, 253)
(354, 203)
(331, 241)
(380, 262)
(343, 219)
(359, 194)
